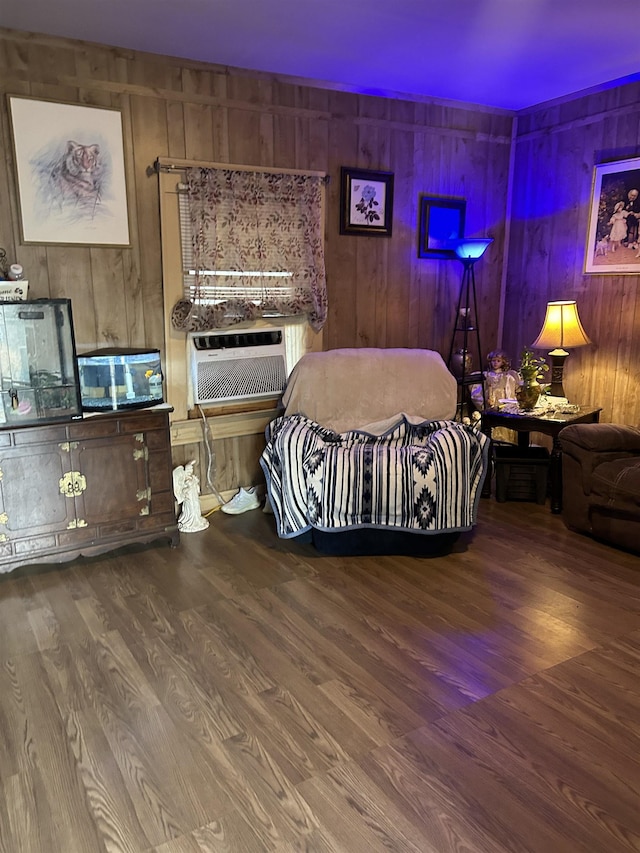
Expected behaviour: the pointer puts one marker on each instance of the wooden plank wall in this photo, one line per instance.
(556, 148)
(380, 293)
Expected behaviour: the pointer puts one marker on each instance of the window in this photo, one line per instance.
(252, 247)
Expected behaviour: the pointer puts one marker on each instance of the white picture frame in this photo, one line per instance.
(70, 171)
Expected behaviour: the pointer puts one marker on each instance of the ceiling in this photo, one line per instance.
(502, 53)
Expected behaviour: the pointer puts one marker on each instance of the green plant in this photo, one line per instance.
(532, 366)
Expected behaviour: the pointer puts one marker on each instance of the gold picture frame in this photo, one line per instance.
(613, 239)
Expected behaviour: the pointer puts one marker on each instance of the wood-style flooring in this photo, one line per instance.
(245, 694)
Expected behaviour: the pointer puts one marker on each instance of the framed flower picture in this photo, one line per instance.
(366, 202)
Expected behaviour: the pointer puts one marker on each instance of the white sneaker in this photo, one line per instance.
(245, 499)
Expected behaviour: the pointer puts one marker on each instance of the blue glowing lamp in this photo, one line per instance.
(470, 249)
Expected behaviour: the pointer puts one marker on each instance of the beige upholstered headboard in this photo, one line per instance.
(347, 389)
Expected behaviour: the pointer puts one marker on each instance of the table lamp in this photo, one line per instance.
(560, 331)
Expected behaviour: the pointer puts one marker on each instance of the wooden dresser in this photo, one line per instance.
(84, 487)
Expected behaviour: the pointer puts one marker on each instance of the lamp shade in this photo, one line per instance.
(562, 328)
(471, 248)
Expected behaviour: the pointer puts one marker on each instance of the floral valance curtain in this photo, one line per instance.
(258, 251)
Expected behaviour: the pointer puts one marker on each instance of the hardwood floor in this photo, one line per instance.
(242, 693)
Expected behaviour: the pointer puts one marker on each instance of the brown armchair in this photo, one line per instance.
(601, 482)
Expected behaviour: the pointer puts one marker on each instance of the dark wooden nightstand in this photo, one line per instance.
(525, 423)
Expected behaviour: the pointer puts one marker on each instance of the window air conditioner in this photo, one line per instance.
(233, 366)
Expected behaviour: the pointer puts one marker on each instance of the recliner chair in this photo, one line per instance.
(601, 482)
(367, 457)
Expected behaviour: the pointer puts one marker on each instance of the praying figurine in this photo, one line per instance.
(186, 488)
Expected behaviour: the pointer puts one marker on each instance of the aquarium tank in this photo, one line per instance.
(114, 378)
(38, 369)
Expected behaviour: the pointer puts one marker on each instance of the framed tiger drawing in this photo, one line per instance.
(70, 172)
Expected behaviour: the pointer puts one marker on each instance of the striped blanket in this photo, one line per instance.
(422, 478)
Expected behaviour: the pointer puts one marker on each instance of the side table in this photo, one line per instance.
(550, 424)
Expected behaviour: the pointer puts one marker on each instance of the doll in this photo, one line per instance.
(499, 380)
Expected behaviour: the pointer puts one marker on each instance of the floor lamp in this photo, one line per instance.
(469, 251)
(561, 328)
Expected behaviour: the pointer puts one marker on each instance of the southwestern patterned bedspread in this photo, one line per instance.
(422, 478)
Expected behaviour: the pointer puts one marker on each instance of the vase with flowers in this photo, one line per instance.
(531, 371)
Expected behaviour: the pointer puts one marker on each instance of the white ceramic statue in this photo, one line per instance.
(186, 488)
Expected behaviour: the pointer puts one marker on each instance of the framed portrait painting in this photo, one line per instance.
(366, 202)
(440, 220)
(613, 243)
(70, 173)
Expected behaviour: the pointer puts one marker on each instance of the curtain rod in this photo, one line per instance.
(164, 164)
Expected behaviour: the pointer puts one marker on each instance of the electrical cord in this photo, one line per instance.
(211, 459)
